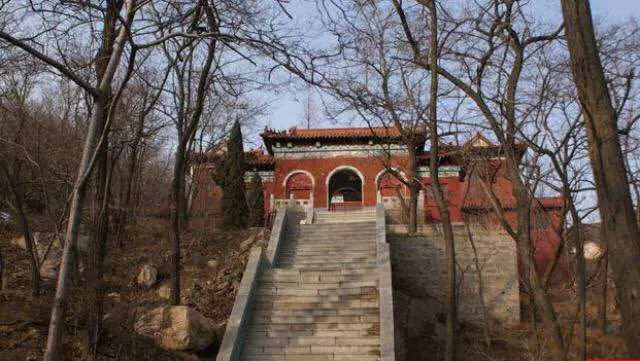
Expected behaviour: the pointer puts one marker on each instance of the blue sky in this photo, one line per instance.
(287, 107)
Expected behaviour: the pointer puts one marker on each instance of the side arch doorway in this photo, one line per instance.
(344, 190)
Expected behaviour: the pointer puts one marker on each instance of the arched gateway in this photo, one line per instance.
(344, 189)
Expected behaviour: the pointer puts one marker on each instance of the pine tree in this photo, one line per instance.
(234, 203)
(256, 202)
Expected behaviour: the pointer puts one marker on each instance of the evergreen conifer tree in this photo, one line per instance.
(256, 202)
(234, 203)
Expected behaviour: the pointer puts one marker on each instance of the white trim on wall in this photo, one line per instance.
(286, 178)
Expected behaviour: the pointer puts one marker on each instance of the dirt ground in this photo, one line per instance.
(24, 320)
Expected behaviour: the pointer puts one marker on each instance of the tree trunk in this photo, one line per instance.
(581, 269)
(30, 250)
(125, 208)
(441, 202)
(607, 161)
(4, 281)
(413, 191)
(176, 199)
(98, 244)
(525, 244)
(52, 352)
(483, 304)
(602, 299)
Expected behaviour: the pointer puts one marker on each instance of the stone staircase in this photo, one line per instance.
(321, 301)
(318, 297)
(361, 215)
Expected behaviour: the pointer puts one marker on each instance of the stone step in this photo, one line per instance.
(321, 259)
(329, 248)
(318, 312)
(339, 227)
(335, 241)
(336, 221)
(288, 251)
(333, 227)
(346, 243)
(280, 299)
(329, 237)
(327, 357)
(326, 352)
(303, 292)
(309, 276)
(265, 341)
(258, 319)
(330, 267)
(318, 286)
(334, 246)
(326, 266)
(316, 333)
(283, 305)
(373, 327)
(345, 216)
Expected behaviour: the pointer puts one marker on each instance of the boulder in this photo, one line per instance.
(177, 328)
(592, 251)
(148, 276)
(115, 296)
(51, 265)
(212, 263)
(164, 291)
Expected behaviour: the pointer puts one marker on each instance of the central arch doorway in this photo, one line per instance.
(344, 190)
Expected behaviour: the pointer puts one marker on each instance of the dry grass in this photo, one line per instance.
(24, 320)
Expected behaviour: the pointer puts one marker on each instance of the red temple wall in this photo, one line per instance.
(320, 169)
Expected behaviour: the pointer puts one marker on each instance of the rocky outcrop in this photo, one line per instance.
(148, 276)
(177, 328)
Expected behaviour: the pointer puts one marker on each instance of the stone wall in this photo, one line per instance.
(419, 282)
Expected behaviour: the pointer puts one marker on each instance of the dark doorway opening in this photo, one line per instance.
(345, 190)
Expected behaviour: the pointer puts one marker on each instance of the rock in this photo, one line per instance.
(164, 291)
(177, 328)
(49, 245)
(18, 242)
(51, 263)
(212, 263)
(592, 251)
(244, 246)
(148, 276)
(115, 296)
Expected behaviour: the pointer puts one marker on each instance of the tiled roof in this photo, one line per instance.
(252, 157)
(332, 133)
(257, 157)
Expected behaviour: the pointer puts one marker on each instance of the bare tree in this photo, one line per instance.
(616, 208)
(500, 41)
(443, 207)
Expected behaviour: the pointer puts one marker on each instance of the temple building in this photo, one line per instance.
(349, 168)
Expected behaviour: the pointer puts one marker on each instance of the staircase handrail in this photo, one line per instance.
(259, 260)
(385, 288)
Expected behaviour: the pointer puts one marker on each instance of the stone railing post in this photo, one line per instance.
(385, 288)
(241, 312)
